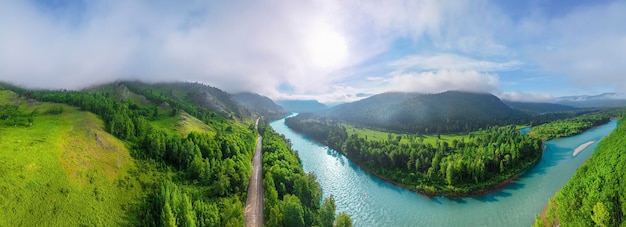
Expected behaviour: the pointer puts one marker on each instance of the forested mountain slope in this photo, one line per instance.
(205, 96)
(451, 111)
(261, 105)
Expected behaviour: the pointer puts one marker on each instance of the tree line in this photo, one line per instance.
(459, 166)
(569, 126)
(595, 195)
(293, 197)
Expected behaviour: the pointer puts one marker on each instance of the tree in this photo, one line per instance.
(344, 220)
(450, 174)
(294, 212)
(600, 215)
(327, 212)
(167, 217)
(188, 214)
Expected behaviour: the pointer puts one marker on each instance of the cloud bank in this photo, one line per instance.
(235, 45)
(334, 50)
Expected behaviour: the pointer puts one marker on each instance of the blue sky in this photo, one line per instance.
(333, 51)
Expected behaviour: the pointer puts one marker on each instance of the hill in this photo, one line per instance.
(451, 111)
(64, 169)
(539, 107)
(261, 105)
(301, 106)
(211, 98)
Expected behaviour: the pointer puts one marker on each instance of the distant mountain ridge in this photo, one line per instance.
(539, 107)
(450, 111)
(239, 105)
(301, 106)
(587, 101)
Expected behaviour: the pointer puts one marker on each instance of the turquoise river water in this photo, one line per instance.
(373, 202)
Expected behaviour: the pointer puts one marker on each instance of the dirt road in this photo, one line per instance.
(254, 205)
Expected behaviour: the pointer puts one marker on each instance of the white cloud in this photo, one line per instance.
(525, 96)
(452, 61)
(588, 45)
(443, 80)
(235, 46)
(261, 45)
(337, 94)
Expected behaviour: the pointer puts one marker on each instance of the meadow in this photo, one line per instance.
(64, 170)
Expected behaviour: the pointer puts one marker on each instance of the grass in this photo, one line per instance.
(374, 135)
(182, 124)
(64, 170)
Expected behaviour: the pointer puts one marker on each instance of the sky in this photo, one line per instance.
(331, 51)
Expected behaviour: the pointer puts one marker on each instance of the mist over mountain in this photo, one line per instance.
(588, 101)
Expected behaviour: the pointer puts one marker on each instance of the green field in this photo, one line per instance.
(374, 135)
(64, 170)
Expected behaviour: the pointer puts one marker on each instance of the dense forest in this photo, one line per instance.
(292, 197)
(201, 177)
(569, 126)
(595, 195)
(471, 164)
(457, 168)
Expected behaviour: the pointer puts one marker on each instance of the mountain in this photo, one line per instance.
(451, 111)
(260, 104)
(539, 107)
(301, 106)
(202, 95)
(587, 101)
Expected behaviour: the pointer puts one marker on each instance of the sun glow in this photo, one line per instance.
(327, 48)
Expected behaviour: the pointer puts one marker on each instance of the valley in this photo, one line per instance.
(130, 153)
(460, 164)
(180, 154)
(372, 201)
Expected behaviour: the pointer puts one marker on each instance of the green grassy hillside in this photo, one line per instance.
(63, 170)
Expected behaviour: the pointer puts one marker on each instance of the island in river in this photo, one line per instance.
(451, 165)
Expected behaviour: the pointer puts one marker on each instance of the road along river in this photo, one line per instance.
(373, 202)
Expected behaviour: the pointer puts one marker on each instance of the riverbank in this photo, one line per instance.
(423, 190)
(374, 202)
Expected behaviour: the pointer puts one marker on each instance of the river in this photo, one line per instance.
(373, 202)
